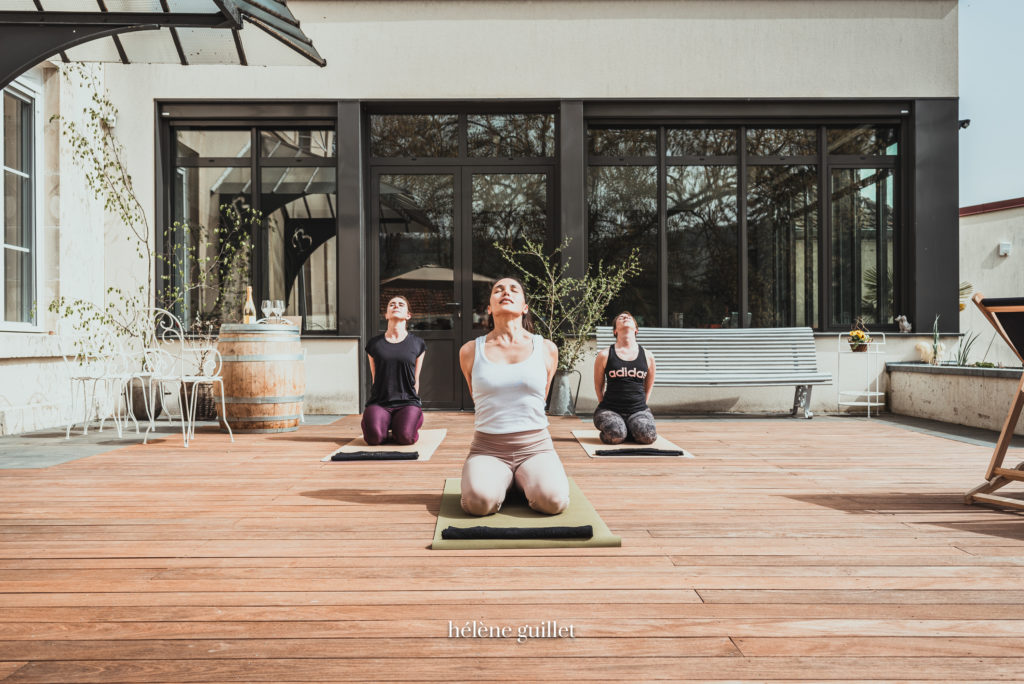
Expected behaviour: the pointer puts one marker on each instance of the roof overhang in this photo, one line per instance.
(151, 32)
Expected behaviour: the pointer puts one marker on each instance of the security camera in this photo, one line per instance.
(964, 123)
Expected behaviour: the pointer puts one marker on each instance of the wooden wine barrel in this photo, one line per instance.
(264, 377)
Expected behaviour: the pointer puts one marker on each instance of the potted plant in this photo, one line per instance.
(205, 280)
(859, 337)
(567, 309)
(209, 257)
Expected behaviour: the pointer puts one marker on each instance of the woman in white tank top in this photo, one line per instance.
(509, 371)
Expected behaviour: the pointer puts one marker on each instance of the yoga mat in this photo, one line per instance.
(516, 513)
(426, 446)
(590, 440)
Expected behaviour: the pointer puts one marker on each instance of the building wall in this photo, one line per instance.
(453, 50)
(992, 275)
(34, 390)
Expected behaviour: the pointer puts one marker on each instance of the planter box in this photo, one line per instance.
(978, 397)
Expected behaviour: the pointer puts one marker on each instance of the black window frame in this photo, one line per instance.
(743, 117)
(253, 117)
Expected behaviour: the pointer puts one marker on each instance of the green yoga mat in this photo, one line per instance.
(516, 513)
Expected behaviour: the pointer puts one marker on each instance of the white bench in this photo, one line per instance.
(732, 357)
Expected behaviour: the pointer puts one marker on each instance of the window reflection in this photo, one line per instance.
(698, 142)
(508, 208)
(298, 206)
(702, 244)
(623, 142)
(511, 135)
(416, 229)
(213, 143)
(206, 200)
(622, 213)
(769, 142)
(862, 246)
(17, 242)
(782, 245)
(867, 140)
(298, 144)
(414, 135)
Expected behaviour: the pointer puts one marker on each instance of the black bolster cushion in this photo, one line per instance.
(376, 456)
(638, 451)
(581, 532)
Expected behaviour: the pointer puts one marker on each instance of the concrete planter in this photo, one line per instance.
(978, 397)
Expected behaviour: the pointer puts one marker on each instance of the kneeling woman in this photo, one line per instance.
(623, 379)
(509, 371)
(396, 358)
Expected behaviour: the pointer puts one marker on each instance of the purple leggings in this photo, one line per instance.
(404, 421)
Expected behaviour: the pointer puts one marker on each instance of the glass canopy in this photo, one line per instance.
(151, 32)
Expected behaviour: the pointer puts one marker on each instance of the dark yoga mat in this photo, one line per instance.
(515, 513)
(375, 456)
(639, 451)
(483, 532)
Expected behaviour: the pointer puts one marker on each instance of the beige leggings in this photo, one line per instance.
(527, 458)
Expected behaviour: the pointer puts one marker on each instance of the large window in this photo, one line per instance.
(254, 206)
(748, 226)
(18, 260)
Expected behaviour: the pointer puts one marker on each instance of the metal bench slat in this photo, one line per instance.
(689, 357)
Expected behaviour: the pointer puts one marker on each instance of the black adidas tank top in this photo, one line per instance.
(624, 383)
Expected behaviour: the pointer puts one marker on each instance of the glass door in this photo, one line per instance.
(504, 207)
(416, 218)
(436, 234)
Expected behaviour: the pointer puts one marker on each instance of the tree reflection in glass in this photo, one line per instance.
(414, 135)
(623, 142)
(508, 208)
(417, 217)
(702, 246)
(511, 135)
(862, 246)
(789, 142)
(622, 205)
(782, 245)
(699, 142)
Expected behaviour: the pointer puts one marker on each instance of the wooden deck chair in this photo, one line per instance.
(1007, 316)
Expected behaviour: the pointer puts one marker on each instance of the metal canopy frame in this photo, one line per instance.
(29, 37)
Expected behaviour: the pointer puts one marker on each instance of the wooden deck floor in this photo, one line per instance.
(832, 549)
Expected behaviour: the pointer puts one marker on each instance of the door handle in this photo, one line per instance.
(453, 303)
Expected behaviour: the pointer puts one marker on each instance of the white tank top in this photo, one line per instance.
(509, 397)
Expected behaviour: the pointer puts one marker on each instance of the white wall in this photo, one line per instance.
(991, 274)
(597, 49)
(34, 391)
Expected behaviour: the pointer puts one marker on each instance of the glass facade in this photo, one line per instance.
(730, 222)
(489, 196)
(267, 220)
(743, 224)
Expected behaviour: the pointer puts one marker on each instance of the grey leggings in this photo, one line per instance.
(638, 427)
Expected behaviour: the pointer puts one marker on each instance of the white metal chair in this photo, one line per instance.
(183, 365)
(92, 356)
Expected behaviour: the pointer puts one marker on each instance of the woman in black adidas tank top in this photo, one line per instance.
(623, 379)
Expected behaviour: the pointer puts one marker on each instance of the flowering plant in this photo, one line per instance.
(858, 337)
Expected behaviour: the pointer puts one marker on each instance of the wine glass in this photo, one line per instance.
(266, 307)
(278, 308)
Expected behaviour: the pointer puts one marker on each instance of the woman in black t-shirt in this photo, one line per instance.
(623, 380)
(396, 358)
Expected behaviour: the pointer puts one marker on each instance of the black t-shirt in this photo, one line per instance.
(394, 382)
(624, 390)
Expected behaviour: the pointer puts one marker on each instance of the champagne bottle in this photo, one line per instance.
(249, 310)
